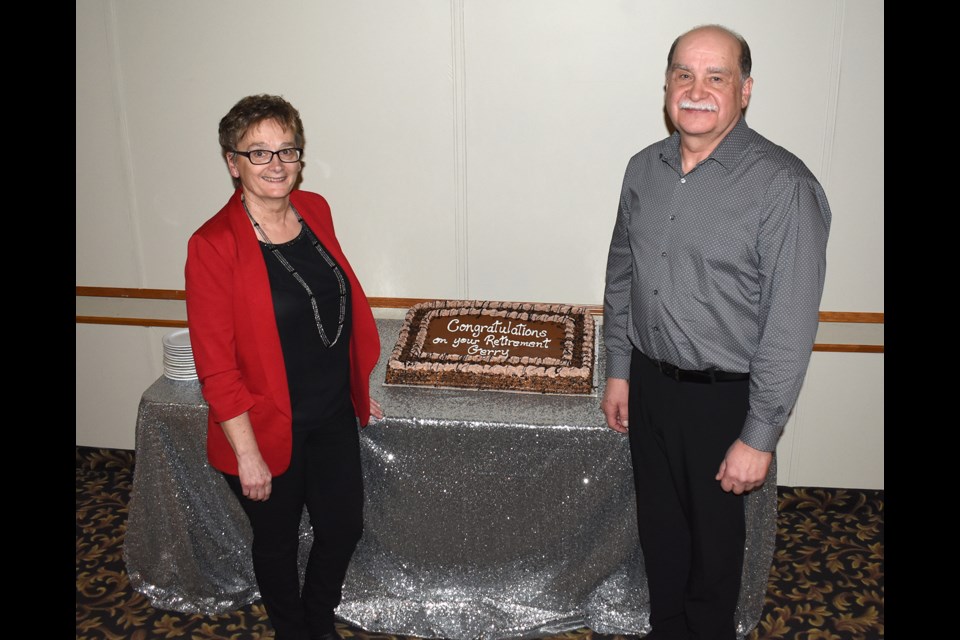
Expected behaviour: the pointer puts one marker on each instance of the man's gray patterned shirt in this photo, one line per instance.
(720, 268)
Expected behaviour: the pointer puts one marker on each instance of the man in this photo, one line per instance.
(713, 285)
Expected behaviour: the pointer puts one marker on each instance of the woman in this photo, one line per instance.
(284, 342)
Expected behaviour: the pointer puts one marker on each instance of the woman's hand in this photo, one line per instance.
(255, 477)
(375, 409)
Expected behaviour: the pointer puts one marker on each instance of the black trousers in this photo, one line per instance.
(691, 531)
(325, 477)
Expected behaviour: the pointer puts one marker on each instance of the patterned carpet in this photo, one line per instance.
(826, 582)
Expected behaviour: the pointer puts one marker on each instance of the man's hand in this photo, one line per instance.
(616, 398)
(743, 468)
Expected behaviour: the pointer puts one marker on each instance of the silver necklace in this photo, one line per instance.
(333, 265)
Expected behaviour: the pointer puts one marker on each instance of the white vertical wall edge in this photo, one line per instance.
(460, 146)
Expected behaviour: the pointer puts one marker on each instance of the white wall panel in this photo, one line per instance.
(559, 98)
(107, 243)
(115, 365)
(835, 437)
(855, 182)
(373, 84)
(556, 95)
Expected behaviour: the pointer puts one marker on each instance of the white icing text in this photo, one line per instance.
(497, 326)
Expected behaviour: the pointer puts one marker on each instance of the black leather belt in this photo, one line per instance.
(692, 375)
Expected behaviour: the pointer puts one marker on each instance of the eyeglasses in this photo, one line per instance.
(263, 156)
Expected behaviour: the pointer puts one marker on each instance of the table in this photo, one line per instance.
(487, 515)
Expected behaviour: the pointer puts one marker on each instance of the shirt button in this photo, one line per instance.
(673, 217)
(683, 181)
(663, 254)
(656, 328)
(656, 292)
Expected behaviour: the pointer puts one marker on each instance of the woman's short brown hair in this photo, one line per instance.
(251, 111)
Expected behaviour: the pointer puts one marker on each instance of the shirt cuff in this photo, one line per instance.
(618, 365)
(760, 435)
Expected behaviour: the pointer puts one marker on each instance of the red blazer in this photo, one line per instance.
(234, 336)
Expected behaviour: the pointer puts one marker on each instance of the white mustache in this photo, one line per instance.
(697, 106)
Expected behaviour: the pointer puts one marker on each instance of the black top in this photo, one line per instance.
(318, 377)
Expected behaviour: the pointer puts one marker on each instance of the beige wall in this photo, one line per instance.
(469, 149)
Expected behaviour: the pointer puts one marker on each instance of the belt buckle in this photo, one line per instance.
(669, 370)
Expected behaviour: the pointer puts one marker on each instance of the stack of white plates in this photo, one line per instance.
(178, 356)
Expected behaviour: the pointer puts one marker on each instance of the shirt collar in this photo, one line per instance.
(728, 153)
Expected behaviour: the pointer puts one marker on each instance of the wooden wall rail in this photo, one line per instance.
(848, 317)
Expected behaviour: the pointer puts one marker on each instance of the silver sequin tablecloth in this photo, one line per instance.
(487, 516)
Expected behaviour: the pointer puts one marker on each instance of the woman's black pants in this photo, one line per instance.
(325, 477)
